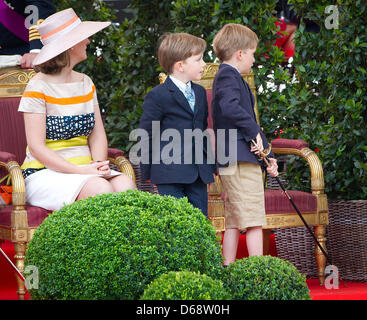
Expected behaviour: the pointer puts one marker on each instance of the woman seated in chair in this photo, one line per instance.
(66, 158)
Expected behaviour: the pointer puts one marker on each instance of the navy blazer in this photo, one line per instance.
(168, 105)
(10, 43)
(233, 108)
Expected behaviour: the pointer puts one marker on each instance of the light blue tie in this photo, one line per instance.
(190, 97)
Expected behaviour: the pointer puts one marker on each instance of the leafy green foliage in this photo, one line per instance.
(128, 66)
(113, 245)
(327, 104)
(185, 285)
(264, 278)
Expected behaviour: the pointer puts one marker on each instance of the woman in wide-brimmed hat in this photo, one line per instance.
(66, 157)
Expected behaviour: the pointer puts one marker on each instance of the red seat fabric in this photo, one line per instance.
(35, 215)
(12, 122)
(209, 98)
(276, 202)
(114, 153)
(289, 143)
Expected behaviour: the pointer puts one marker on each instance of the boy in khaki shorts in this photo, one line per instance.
(233, 108)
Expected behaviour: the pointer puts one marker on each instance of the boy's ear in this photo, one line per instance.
(178, 66)
(240, 54)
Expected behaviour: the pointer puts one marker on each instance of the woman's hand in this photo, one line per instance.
(96, 167)
(103, 166)
(272, 168)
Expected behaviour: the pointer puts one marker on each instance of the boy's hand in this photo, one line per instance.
(259, 148)
(272, 167)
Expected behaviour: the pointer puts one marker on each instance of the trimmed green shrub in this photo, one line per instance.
(264, 278)
(113, 245)
(185, 285)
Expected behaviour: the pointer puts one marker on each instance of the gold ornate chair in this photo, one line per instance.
(279, 211)
(18, 221)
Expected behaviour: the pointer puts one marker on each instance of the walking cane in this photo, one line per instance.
(12, 265)
(266, 160)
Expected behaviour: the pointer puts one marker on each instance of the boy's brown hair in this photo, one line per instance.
(233, 37)
(54, 65)
(174, 47)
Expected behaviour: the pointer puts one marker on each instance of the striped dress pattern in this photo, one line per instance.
(69, 119)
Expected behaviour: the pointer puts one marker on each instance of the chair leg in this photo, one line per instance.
(20, 248)
(320, 257)
(266, 241)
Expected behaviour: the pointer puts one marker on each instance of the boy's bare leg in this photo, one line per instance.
(230, 243)
(254, 241)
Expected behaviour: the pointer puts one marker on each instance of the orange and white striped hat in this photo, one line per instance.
(62, 30)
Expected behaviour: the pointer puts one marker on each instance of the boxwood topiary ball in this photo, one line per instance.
(185, 285)
(113, 245)
(264, 278)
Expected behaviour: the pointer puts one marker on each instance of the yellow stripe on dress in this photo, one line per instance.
(60, 101)
(59, 145)
(38, 165)
(62, 144)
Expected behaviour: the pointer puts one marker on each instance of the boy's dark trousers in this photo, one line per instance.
(195, 192)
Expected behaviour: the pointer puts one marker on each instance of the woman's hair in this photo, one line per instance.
(233, 37)
(54, 65)
(174, 47)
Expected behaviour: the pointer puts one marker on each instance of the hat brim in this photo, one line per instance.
(78, 34)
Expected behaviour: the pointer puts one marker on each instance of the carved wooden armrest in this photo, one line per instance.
(7, 160)
(301, 148)
(117, 157)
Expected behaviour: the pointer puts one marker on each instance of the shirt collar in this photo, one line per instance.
(181, 85)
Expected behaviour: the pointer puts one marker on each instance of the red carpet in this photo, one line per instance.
(346, 291)
(351, 290)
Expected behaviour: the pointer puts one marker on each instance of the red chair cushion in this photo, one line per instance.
(276, 202)
(12, 132)
(35, 215)
(209, 98)
(114, 153)
(289, 143)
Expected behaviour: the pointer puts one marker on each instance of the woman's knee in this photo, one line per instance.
(95, 186)
(122, 183)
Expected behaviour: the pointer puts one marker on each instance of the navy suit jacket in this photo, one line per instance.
(233, 108)
(10, 43)
(168, 105)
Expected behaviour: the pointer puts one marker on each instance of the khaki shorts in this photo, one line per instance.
(245, 200)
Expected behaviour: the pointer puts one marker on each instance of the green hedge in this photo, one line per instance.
(264, 278)
(185, 285)
(113, 245)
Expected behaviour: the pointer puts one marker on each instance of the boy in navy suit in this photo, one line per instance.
(233, 109)
(178, 107)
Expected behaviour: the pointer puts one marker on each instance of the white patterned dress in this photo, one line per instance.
(69, 109)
